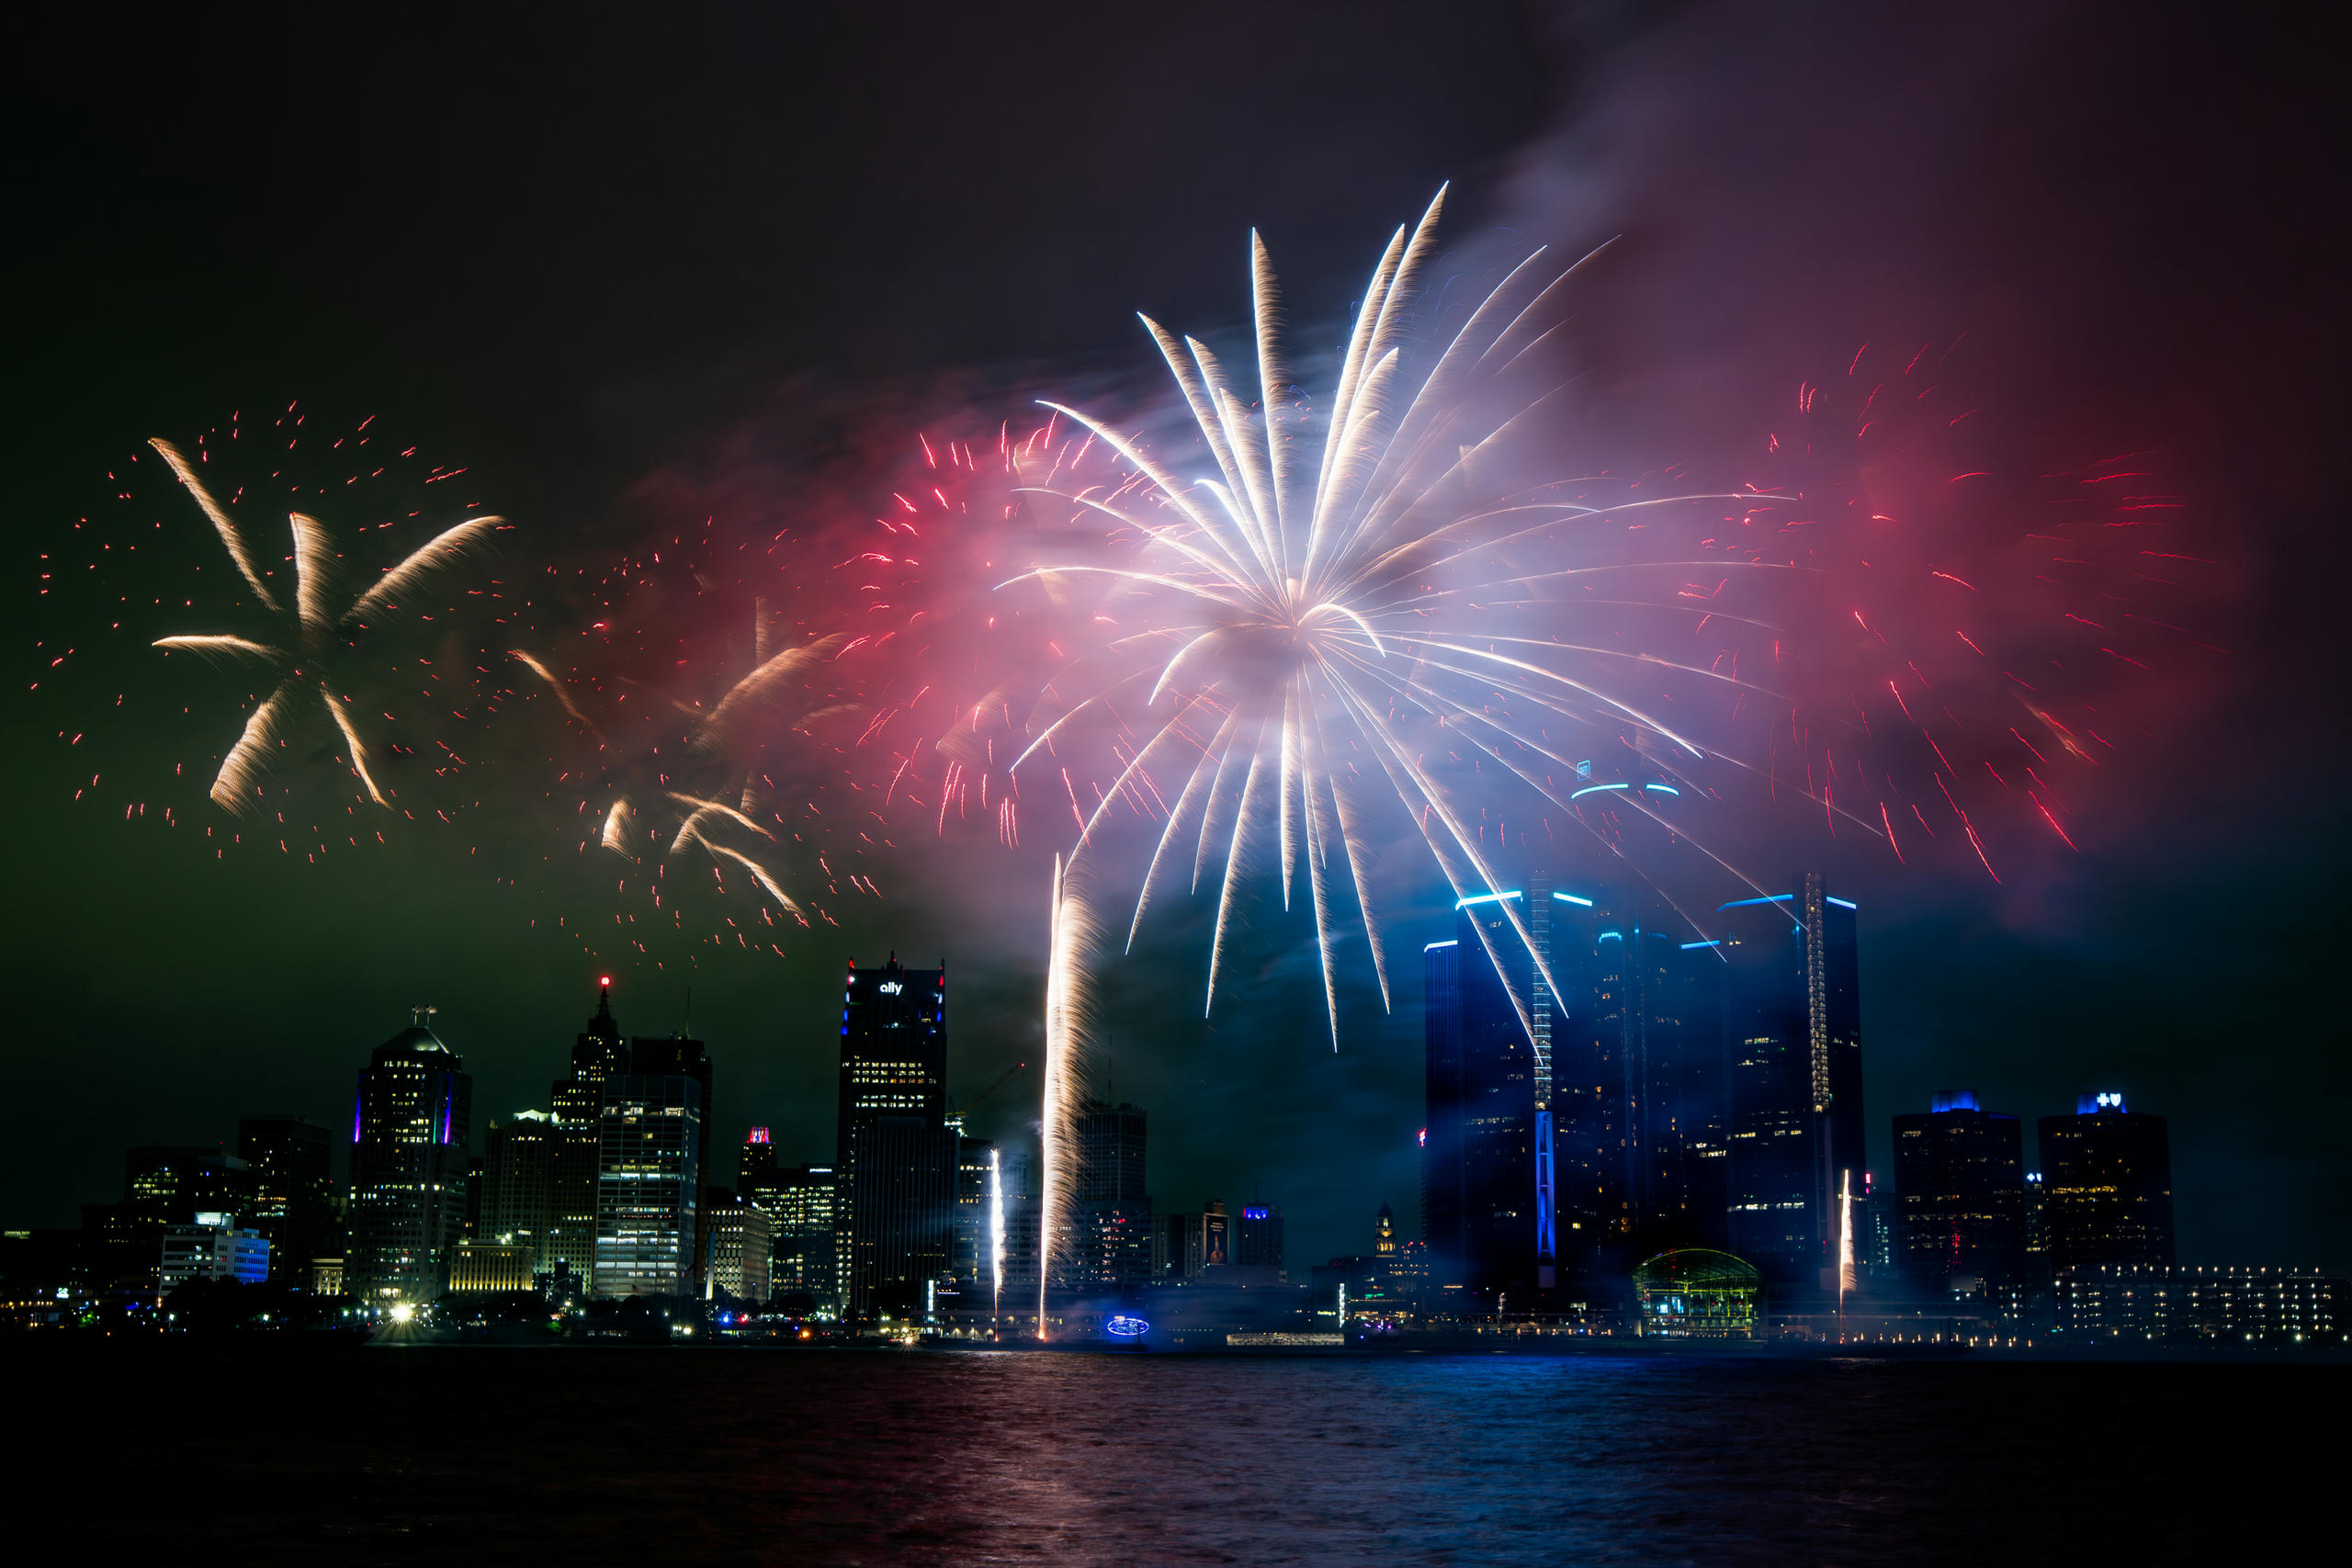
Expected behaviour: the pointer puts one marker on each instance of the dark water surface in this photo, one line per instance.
(660, 1457)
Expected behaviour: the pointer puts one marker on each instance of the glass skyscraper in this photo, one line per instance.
(648, 1186)
(1480, 1197)
(1579, 1106)
(410, 1123)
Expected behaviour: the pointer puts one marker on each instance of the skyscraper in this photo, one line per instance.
(896, 1156)
(2107, 1186)
(803, 1234)
(411, 1123)
(972, 1264)
(1482, 1216)
(598, 1054)
(681, 1055)
(648, 1185)
(1959, 1195)
(1794, 1020)
(1111, 1221)
(755, 1162)
(292, 1193)
(518, 1159)
(1642, 1082)
(1258, 1238)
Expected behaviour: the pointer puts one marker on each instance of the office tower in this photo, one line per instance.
(896, 1156)
(1482, 1218)
(598, 1054)
(2107, 1186)
(681, 1055)
(1641, 1078)
(1257, 1236)
(1110, 1224)
(649, 1186)
(740, 1246)
(410, 1123)
(292, 1194)
(972, 1265)
(802, 1233)
(212, 1245)
(755, 1162)
(1794, 1015)
(2037, 1225)
(1959, 1195)
(518, 1159)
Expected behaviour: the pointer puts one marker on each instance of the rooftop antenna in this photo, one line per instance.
(421, 1012)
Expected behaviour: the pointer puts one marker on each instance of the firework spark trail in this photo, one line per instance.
(781, 691)
(1071, 938)
(315, 637)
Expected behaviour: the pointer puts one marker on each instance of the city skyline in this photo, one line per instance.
(804, 1134)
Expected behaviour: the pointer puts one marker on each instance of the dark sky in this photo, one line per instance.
(575, 248)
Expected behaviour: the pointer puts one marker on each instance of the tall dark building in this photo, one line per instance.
(292, 1191)
(518, 1162)
(1109, 1235)
(1959, 1195)
(680, 1056)
(896, 1156)
(1794, 1016)
(755, 1162)
(972, 1264)
(2107, 1187)
(598, 1054)
(1641, 1083)
(1480, 1200)
(411, 1123)
(1567, 1142)
(1257, 1236)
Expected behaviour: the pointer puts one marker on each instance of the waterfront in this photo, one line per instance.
(271, 1455)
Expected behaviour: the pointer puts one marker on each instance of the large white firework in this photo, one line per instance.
(312, 637)
(1320, 606)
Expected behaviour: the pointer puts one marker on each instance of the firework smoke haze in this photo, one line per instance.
(2005, 314)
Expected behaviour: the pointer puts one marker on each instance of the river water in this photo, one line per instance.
(747, 1456)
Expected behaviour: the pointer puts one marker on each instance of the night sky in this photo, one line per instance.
(615, 267)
